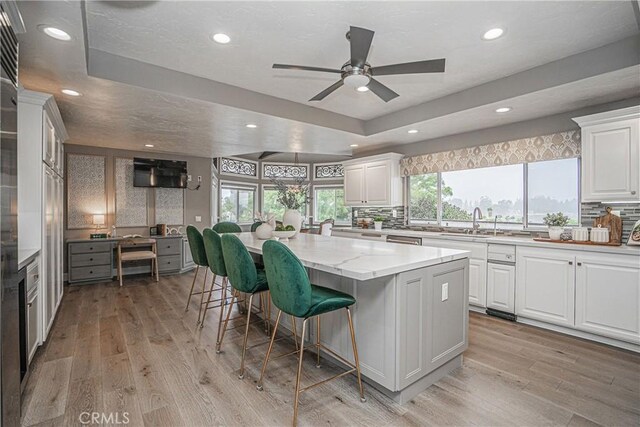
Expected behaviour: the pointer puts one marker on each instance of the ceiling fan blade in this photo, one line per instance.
(381, 90)
(429, 66)
(327, 91)
(360, 40)
(305, 68)
(266, 154)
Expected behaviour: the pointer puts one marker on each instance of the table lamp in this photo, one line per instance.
(98, 220)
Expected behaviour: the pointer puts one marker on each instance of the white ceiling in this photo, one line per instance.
(175, 35)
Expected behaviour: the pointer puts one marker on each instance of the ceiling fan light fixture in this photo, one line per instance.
(356, 80)
(493, 34)
(221, 38)
(362, 89)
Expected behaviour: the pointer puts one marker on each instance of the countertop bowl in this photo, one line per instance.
(284, 234)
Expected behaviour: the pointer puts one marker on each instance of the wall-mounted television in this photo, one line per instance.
(159, 173)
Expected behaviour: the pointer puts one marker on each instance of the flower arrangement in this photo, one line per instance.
(556, 220)
(292, 196)
(264, 217)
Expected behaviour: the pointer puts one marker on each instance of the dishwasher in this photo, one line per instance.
(501, 281)
(405, 240)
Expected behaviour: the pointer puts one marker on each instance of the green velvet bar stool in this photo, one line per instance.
(196, 245)
(213, 250)
(255, 225)
(244, 277)
(292, 293)
(227, 227)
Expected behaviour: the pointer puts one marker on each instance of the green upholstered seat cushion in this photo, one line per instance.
(255, 225)
(324, 300)
(227, 227)
(213, 250)
(288, 281)
(241, 270)
(196, 245)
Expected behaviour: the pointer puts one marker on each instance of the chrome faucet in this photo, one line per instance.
(495, 225)
(476, 226)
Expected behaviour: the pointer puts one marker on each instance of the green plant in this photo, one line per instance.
(378, 219)
(292, 196)
(556, 219)
(289, 228)
(279, 228)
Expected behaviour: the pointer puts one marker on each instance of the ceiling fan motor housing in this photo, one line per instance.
(355, 77)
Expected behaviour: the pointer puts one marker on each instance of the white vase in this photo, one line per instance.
(294, 218)
(377, 225)
(555, 232)
(263, 232)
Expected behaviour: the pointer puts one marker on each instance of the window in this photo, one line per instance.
(497, 191)
(237, 203)
(328, 203)
(553, 187)
(270, 203)
(449, 198)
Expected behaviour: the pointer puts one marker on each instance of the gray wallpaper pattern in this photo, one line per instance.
(170, 206)
(131, 202)
(86, 191)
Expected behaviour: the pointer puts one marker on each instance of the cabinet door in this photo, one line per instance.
(59, 203)
(48, 141)
(610, 159)
(354, 185)
(608, 296)
(377, 183)
(32, 323)
(501, 287)
(545, 285)
(477, 282)
(48, 248)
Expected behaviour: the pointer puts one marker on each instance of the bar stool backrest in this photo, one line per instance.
(288, 281)
(227, 227)
(196, 245)
(240, 268)
(213, 249)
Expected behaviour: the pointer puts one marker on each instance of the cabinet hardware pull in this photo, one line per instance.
(570, 262)
(579, 264)
(90, 259)
(633, 192)
(29, 304)
(91, 272)
(91, 248)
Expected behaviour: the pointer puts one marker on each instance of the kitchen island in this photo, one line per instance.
(411, 314)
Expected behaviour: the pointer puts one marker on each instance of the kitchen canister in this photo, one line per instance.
(580, 234)
(600, 234)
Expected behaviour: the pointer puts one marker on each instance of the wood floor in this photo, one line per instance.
(134, 350)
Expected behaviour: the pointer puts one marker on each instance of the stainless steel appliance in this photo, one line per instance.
(405, 240)
(11, 282)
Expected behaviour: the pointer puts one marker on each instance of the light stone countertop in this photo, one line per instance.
(358, 259)
(506, 240)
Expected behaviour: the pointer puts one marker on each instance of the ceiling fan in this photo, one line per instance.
(357, 72)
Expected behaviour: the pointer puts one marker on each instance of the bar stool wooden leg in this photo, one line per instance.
(204, 287)
(355, 354)
(318, 341)
(193, 283)
(155, 264)
(266, 357)
(294, 331)
(206, 306)
(246, 335)
(295, 402)
(223, 304)
(226, 321)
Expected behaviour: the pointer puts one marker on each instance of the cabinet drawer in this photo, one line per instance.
(85, 260)
(169, 263)
(169, 246)
(89, 247)
(91, 273)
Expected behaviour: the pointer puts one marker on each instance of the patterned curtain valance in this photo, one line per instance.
(562, 145)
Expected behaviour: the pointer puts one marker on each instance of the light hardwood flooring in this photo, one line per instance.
(134, 349)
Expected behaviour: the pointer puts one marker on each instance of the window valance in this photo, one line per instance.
(562, 145)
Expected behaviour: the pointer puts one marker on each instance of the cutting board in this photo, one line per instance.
(613, 222)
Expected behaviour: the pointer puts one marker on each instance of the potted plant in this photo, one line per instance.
(293, 196)
(377, 222)
(556, 223)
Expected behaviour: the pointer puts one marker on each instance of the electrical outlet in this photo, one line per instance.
(445, 291)
(198, 218)
(199, 179)
(355, 213)
(394, 213)
(189, 178)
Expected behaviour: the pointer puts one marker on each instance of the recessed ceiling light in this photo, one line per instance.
(221, 38)
(148, 145)
(71, 92)
(493, 34)
(251, 126)
(412, 131)
(353, 145)
(503, 109)
(56, 33)
(362, 89)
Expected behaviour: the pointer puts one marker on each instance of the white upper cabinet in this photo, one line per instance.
(373, 181)
(611, 155)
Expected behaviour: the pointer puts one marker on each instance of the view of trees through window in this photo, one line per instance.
(498, 192)
(237, 204)
(329, 203)
(270, 204)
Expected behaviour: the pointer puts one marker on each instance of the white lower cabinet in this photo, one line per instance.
(501, 279)
(545, 285)
(608, 296)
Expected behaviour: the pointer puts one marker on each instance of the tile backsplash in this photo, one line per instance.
(371, 212)
(629, 212)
